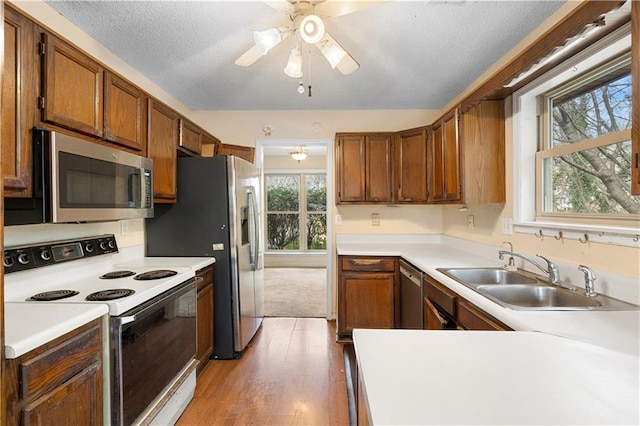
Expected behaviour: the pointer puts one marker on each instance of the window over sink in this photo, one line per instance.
(572, 150)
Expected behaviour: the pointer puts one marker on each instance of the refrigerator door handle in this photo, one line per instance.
(253, 232)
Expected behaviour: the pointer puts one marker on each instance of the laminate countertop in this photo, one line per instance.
(558, 367)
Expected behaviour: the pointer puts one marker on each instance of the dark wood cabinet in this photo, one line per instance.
(363, 168)
(20, 90)
(244, 152)
(471, 317)
(635, 90)
(204, 318)
(125, 115)
(446, 186)
(59, 382)
(190, 137)
(162, 145)
(72, 87)
(366, 293)
(411, 165)
(482, 142)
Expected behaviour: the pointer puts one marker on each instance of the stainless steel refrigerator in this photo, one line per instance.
(218, 214)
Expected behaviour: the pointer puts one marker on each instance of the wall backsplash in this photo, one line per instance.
(397, 219)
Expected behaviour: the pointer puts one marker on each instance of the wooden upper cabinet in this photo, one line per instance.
(411, 165)
(210, 145)
(72, 87)
(446, 160)
(244, 152)
(482, 142)
(364, 163)
(162, 145)
(190, 137)
(125, 109)
(635, 90)
(20, 90)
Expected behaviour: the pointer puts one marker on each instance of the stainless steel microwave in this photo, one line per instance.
(80, 181)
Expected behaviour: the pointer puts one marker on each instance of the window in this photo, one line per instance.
(584, 163)
(571, 147)
(296, 212)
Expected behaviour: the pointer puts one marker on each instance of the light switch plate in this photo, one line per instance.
(338, 219)
(470, 222)
(375, 219)
(507, 225)
(217, 246)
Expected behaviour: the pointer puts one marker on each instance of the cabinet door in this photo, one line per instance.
(350, 159)
(244, 152)
(190, 137)
(124, 113)
(367, 301)
(20, 90)
(446, 160)
(635, 73)
(432, 318)
(72, 87)
(471, 318)
(378, 168)
(204, 319)
(161, 148)
(482, 143)
(411, 166)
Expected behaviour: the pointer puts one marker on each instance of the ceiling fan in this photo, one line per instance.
(306, 21)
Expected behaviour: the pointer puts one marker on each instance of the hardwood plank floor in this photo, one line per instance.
(292, 373)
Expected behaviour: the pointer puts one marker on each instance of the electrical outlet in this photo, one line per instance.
(507, 226)
(338, 219)
(124, 227)
(470, 223)
(375, 219)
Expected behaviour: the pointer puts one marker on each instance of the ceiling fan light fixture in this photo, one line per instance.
(267, 39)
(333, 52)
(298, 154)
(294, 65)
(312, 29)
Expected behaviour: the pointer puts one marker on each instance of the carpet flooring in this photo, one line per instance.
(295, 292)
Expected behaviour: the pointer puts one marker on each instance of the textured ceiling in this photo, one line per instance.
(412, 54)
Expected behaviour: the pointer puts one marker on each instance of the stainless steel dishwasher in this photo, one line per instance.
(410, 296)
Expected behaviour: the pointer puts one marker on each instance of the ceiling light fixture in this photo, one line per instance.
(298, 154)
(267, 39)
(312, 29)
(294, 65)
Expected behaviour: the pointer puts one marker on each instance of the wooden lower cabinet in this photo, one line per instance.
(471, 317)
(204, 318)
(59, 383)
(366, 293)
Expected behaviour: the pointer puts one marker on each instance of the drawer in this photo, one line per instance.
(59, 361)
(440, 295)
(368, 264)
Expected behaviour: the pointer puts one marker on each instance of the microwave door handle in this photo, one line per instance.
(133, 181)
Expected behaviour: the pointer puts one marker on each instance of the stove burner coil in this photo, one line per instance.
(116, 274)
(111, 294)
(155, 275)
(53, 295)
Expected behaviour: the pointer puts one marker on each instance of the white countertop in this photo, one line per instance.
(560, 367)
(418, 377)
(29, 325)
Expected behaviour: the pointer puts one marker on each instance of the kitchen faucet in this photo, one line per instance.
(551, 270)
(589, 278)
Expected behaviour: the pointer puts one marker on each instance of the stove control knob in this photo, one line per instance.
(45, 255)
(23, 259)
(8, 261)
(103, 245)
(89, 247)
(112, 244)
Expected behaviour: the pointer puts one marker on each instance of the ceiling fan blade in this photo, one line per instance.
(337, 56)
(249, 57)
(333, 8)
(282, 6)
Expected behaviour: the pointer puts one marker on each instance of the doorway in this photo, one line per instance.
(296, 227)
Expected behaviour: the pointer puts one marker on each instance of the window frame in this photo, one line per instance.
(523, 131)
(302, 209)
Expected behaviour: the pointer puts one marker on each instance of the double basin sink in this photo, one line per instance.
(522, 290)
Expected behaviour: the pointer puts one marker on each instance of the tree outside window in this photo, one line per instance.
(586, 156)
(296, 212)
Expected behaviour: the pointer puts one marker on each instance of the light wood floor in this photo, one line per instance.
(291, 374)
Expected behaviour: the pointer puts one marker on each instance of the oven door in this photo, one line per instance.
(150, 345)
